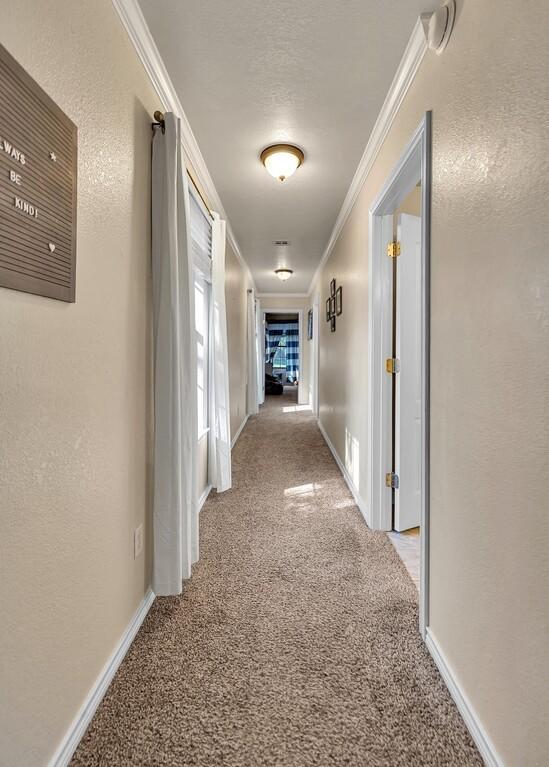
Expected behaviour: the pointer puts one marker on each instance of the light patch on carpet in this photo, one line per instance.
(307, 489)
(296, 408)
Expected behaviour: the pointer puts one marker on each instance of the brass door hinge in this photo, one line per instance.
(392, 480)
(392, 365)
(393, 249)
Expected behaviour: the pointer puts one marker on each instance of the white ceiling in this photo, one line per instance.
(250, 73)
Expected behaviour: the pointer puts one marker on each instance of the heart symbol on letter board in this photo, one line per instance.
(51, 246)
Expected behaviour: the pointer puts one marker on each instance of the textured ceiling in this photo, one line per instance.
(251, 73)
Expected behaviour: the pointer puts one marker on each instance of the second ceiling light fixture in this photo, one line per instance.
(281, 161)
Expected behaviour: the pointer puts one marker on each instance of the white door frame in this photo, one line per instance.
(260, 319)
(302, 396)
(315, 357)
(413, 166)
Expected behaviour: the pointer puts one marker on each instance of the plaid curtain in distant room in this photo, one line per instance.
(289, 331)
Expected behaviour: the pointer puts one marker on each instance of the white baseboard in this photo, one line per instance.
(203, 497)
(472, 722)
(78, 727)
(346, 476)
(237, 435)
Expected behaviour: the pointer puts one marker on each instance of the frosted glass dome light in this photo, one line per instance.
(282, 160)
(283, 274)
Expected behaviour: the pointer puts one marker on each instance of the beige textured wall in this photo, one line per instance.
(269, 304)
(489, 94)
(74, 400)
(343, 357)
(236, 285)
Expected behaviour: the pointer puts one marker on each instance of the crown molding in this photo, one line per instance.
(409, 64)
(139, 33)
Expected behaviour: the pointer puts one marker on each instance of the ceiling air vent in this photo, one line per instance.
(281, 242)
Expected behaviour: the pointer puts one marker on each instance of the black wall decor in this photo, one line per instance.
(334, 304)
(339, 300)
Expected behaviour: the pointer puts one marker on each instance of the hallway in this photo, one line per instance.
(295, 643)
(341, 206)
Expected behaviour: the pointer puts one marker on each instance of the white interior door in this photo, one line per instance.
(260, 340)
(408, 380)
(315, 360)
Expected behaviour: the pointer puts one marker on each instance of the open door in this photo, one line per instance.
(408, 381)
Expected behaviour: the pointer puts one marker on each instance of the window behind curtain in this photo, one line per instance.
(279, 360)
(202, 311)
(201, 237)
(201, 243)
(282, 346)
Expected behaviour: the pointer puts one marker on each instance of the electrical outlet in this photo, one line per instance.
(137, 541)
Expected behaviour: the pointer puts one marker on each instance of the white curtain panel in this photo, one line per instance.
(219, 459)
(260, 345)
(251, 353)
(175, 518)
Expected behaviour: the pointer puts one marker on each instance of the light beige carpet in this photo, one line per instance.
(296, 641)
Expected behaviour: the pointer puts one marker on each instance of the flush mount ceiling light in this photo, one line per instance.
(284, 274)
(282, 160)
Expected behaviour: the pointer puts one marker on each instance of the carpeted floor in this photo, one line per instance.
(296, 641)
